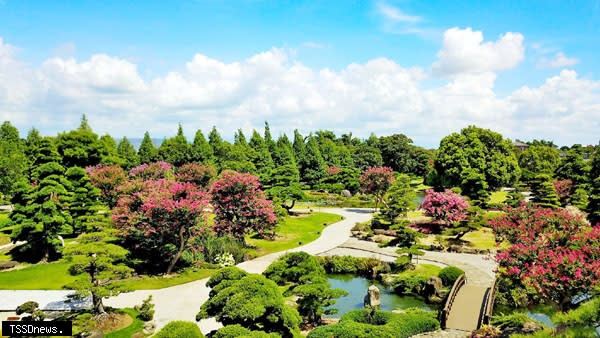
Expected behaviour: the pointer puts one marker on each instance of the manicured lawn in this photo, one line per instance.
(498, 197)
(426, 270)
(294, 231)
(159, 282)
(50, 276)
(481, 239)
(136, 326)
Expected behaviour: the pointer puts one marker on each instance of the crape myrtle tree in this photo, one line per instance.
(107, 178)
(376, 181)
(554, 256)
(198, 174)
(444, 207)
(476, 150)
(99, 265)
(159, 218)
(240, 206)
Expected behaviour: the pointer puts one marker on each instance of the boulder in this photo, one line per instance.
(346, 193)
(433, 288)
(372, 298)
(149, 327)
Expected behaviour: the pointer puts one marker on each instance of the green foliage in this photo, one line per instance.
(587, 314)
(573, 167)
(175, 150)
(450, 274)
(213, 246)
(100, 264)
(261, 155)
(201, 151)
(180, 329)
(475, 186)
(367, 267)
(544, 193)
(409, 284)
(41, 214)
(512, 321)
(127, 152)
(538, 159)
(292, 267)
(312, 166)
(480, 150)
(147, 151)
(399, 198)
(580, 198)
(398, 152)
(80, 147)
(32, 309)
(238, 331)
(13, 160)
(83, 203)
(367, 323)
(146, 310)
(254, 302)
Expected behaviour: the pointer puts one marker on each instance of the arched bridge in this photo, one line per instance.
(468, 305)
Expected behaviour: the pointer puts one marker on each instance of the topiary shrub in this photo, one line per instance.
(180, 329)
(238, 331)
(410, 284)
(292, 267)
(146, 310)
(366, 267)
(450, 274)
(382, 324)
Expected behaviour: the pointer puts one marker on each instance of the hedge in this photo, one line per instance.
(180, 329)
(450, 274)
(367, 267)
(238, 331)
(382, 324)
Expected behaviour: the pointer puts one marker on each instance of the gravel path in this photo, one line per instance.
(182, 302)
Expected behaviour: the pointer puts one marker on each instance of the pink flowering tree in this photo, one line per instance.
(107, 178)
(199, 174)
(240, 206)
(152, 171)
(159, 217)
(376, 181)
(564, 190)
(554, 256)
(445, 207)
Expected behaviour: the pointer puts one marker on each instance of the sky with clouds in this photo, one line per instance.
(422, 68)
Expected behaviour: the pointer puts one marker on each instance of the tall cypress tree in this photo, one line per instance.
(269, 139)
(313, 167)
(262, 157)
(217, 144)
(147, 152)
(202, 151)
(175, 150)
(127, 152)
(83, 204)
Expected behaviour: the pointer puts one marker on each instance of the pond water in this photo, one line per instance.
(357, 289)
(541, 313)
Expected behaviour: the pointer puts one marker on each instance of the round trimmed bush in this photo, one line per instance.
(450, 274)
(180, 329)
(382, 324)
(238, 331)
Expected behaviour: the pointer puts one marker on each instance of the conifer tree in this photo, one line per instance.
(543, 192)
(147, 152)
(83, 200)
(262, 157)
(202, 152)
(127, 152)
(175, 150)
(313, 166)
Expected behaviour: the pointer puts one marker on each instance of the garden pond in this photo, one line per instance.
(357, 289)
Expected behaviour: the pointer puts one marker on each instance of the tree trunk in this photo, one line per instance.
(288, 207)
(97, 304)
(182, 242)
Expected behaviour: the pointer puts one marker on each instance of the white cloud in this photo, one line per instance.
(559, 60)
(395, 14)
(463, 51)
(378, 96)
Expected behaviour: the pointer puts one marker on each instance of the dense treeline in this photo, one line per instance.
(476, 161)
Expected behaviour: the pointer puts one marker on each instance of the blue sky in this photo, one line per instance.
(149, 47)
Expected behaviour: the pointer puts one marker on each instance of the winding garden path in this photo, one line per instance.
(182, 302)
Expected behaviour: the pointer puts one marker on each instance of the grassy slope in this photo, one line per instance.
(136, 326)
(292, 231)
(426, 270)
(295, 231)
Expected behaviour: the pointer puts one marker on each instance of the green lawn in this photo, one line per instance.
(498, 197)
(481, 239)
(294, 231)
(50, 276)
(159, 282)
(425, 270)
(136, 326)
